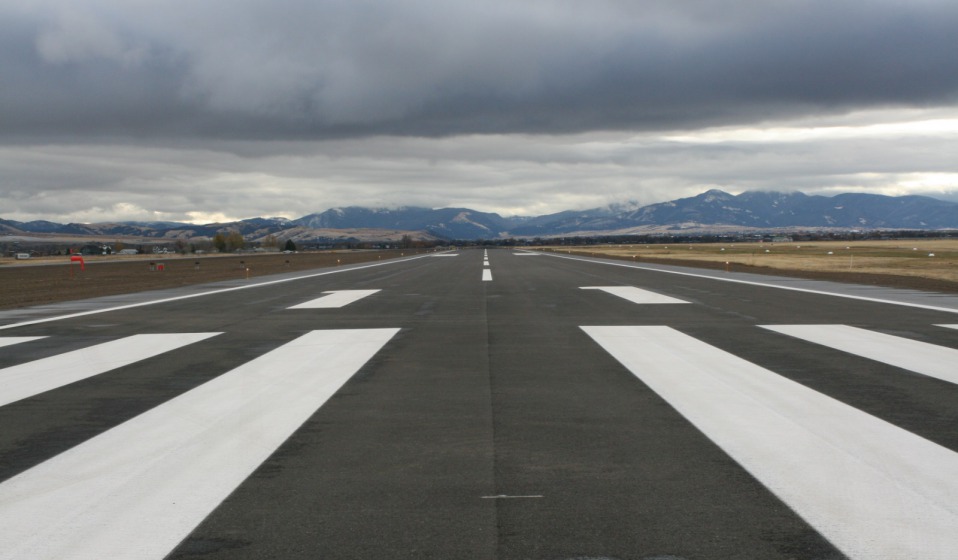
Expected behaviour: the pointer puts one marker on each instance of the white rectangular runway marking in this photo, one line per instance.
(949, 326)
(138, 489)
(445, 255)
(635, 295)
(874, 490)
(335, 299)
(486, 275)
(33, 378)
(928, 359)
(11, 340)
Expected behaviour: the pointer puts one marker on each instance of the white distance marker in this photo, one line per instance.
(874, 490)
(486, 275)
(32, 378)
(335, 299)
(635, 295)
(137, 490)
(11, 340)
(928, 359)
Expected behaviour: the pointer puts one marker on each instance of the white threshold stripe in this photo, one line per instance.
(761, 284)
(487, 275)
(137, 490)
(335, 299)
(209, 293)
(32, 378)
(949, 326)
(921, 357)
(11, 340)
(635, 295)
(874, 490)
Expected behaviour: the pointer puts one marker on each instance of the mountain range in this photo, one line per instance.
(714, 209)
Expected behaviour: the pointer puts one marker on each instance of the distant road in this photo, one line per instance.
(483, 404)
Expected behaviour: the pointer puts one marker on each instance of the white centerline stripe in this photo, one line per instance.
(635, 295)
(761, 284)
(32, 378)
(138, 489)
(874, 490)
(335, 299)
(486, 275)
(11, 340)
(921, 357)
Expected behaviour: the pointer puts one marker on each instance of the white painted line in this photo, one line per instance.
(335, 299)
(135, 491)
(32, 378)
(761, 284)
(874, 490)
(11, 340)
(949, 326)
(635, 295)
(507, 497)
(211, 292)
(487, 275)
(928, 359)
(445, 255)
(526, 254)
(485, 263)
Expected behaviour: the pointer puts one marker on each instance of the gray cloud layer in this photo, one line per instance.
(185, 110)
(319, 69)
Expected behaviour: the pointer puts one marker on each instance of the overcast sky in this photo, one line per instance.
(224, 109)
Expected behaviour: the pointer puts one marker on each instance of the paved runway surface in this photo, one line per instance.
(483, 405)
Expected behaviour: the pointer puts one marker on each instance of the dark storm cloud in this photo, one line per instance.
(297, 70)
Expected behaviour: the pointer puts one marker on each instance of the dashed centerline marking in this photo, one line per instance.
(635, 295)
(487, 275)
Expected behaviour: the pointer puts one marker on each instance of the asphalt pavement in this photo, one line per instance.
(484, 404)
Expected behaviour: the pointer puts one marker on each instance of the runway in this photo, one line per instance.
(484, 404)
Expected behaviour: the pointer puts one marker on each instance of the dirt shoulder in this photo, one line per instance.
(54, 280)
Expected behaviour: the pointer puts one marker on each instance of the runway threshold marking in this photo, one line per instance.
(11, 340)
(635, 295)
(486, 275)
(137, 490)
(874, 490)
(949, 326)
(32, 378)
(335, 299)
(921, 357)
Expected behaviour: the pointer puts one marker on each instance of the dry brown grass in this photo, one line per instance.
(891, 258)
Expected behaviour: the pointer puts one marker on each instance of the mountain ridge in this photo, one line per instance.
(713, 208)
